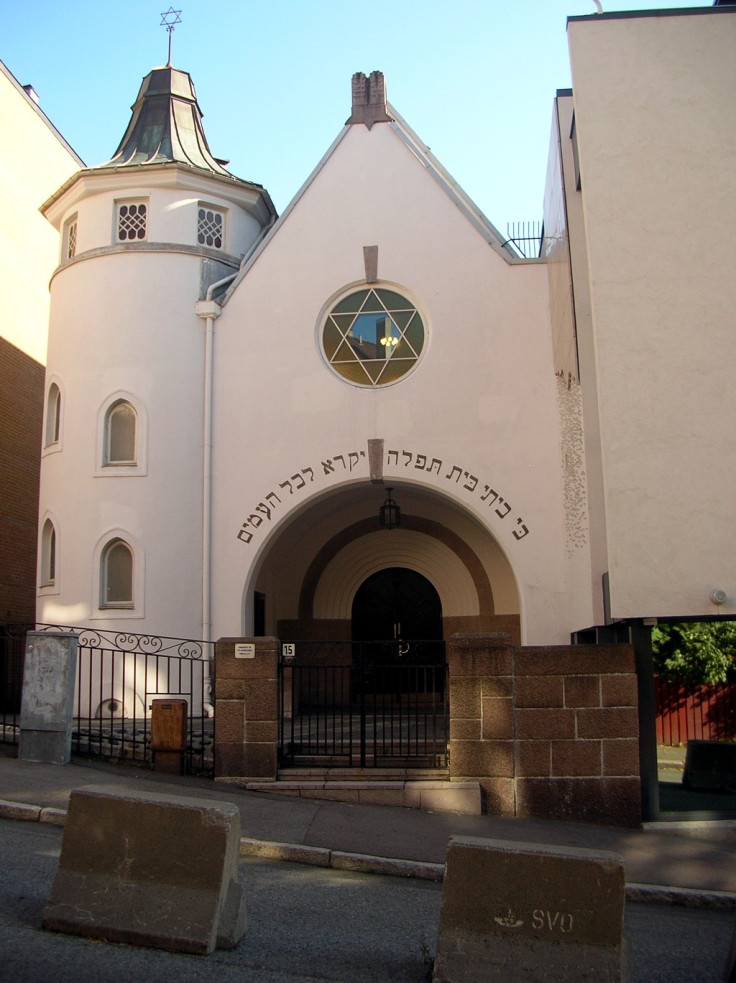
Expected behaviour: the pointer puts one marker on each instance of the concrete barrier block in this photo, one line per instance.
(528, 912)
(149, 869)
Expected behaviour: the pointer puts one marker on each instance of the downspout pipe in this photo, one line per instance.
(209, 310)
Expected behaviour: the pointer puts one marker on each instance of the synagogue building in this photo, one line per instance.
(373, 417)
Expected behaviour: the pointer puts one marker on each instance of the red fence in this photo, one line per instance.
(685, 712)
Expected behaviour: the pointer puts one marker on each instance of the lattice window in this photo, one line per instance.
(132, 216)
(210, 227)
(70, 238)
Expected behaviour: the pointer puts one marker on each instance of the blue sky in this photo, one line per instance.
(474, 78)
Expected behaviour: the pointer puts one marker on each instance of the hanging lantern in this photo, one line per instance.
(389, 513)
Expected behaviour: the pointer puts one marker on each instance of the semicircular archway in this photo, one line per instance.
(311, 570)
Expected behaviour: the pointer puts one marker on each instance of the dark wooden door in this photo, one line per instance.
(398, 612)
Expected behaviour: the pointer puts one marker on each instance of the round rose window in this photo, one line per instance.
(373, 336)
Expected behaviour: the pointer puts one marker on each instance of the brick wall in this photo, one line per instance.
(21, 413)
(548, 732)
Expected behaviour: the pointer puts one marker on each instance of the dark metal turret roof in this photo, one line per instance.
(166, 125)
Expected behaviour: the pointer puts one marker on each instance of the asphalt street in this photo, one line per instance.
(305, 924)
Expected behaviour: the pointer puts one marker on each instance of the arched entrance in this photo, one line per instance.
(362, 614)
(385, 705)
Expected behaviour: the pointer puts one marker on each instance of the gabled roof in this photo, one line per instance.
(25, 92)
(453, 190)
(369, 108)
(166, 126)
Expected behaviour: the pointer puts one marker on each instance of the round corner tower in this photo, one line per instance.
(122, 515)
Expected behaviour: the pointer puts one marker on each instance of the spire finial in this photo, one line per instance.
(169, 19)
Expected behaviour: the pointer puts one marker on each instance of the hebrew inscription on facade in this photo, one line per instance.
(459, 476)
(341, 464)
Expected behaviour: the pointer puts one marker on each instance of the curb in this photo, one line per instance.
(685, 896)
(339, 860)
(30, 813)
(387, 866)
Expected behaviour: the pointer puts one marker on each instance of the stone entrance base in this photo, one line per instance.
(380, 788)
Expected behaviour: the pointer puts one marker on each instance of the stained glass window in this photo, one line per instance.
(373, 336)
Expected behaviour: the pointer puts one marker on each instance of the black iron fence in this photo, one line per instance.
(364, 704)
(526, 238)
(119, 675)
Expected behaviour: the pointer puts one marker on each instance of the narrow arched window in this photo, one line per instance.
(48, 554)
(70, 238)
(116, 575)
(120, 433)
(53, 415)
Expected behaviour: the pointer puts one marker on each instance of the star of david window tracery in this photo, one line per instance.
(373, 336)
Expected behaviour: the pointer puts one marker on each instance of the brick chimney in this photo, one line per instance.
(369, 99)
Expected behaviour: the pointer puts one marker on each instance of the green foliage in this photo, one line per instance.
(698, 652)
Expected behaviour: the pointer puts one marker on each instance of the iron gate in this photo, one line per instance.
(12, 653)
(363, 704)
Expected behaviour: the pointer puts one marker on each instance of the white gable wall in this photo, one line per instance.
(482, 398)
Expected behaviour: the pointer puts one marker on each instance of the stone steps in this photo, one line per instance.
(396, 788)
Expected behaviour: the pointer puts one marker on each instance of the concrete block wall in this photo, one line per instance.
(550, 732)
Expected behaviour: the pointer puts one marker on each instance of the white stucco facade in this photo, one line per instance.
(487, 337)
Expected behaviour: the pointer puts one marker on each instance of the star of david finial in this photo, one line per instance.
(169, 19)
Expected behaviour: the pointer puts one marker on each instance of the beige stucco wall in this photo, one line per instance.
(569, 298)
(481, 400)
(35, 161)
(656, 133)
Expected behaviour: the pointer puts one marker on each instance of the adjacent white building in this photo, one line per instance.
(36, 159)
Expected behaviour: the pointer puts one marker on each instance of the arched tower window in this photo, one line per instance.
(48, 554)
(53, 416)
(116, 575)
(120, 434)
(70, 238)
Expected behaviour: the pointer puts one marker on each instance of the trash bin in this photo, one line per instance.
(169, 735)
